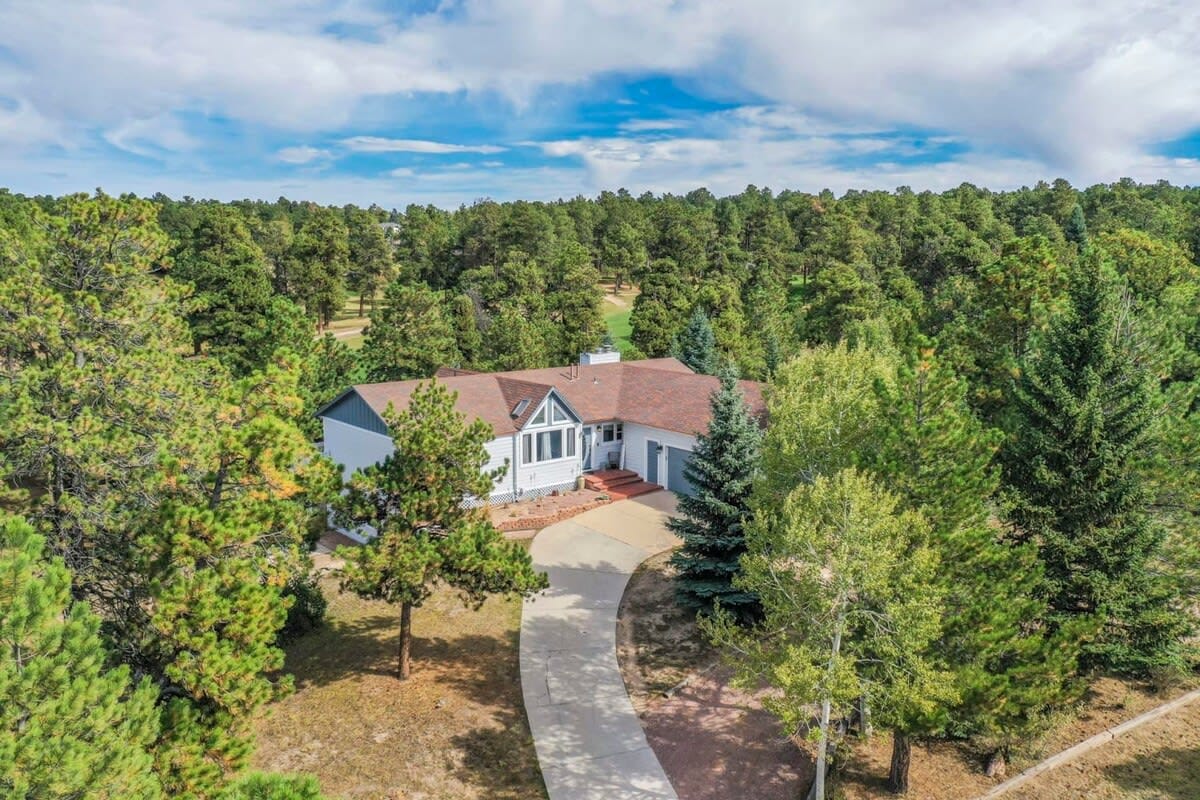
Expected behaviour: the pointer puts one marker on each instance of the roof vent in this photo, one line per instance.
(519, 408)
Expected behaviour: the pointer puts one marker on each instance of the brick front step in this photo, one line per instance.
(606, 479)
(627, 490)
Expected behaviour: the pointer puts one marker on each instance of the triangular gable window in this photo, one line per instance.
(560, 414)
(540, 417)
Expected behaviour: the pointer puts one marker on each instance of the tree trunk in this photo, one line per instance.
(864, 717)
(360, 305)
(405, 662)
(901, 756)
(997, 767)
(818, 787)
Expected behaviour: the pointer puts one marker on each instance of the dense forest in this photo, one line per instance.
(943, 360)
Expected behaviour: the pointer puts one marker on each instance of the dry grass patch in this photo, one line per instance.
(711, 739)
(456, 730)
(1159, 761)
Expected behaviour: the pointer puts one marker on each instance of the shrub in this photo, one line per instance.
(307, 612)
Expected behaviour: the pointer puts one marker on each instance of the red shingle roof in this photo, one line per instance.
(661, 392)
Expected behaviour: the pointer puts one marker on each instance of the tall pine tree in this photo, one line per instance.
(424, 533)
(1072, 485)
(409, 336)
(69, 725)
(711, 521)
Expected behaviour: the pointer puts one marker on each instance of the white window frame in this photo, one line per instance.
(541, 417)
(529, 449)
(611, 432)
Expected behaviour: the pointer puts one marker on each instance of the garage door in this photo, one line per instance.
(676, 480)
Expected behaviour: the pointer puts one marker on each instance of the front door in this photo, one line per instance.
(587, 448)
(651, 461)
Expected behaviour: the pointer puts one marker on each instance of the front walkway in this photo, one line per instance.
(589, 741)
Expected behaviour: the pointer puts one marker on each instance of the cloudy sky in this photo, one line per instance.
(398, 101)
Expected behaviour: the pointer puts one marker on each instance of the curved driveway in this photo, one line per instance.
(589, 741)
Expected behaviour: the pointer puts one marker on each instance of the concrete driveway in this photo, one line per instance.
(589, 741)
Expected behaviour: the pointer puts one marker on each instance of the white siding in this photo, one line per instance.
(601, 448)
(635, 447)
(499, 451)
(354, 447)
(548, 473)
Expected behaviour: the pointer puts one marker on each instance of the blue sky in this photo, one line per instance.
(398, 101)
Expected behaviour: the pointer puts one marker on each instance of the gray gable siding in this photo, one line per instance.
(353, 410)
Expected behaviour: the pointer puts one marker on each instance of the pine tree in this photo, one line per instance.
(467, 338)
(269, 786)
(1076, 229)
(721, 470)
(1072, 484)
(937, 456)
(424, 533)
(573, 301)
(69, 725)
(660, 310)
(514, 341)
(232, 287)
(370, 257)
(178, 498)
(409, 336)
(319, 259)
(696, 345)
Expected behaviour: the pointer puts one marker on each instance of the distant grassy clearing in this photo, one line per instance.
(619, 328)
(616, 309)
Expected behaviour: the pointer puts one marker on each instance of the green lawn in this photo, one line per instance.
(618, 326)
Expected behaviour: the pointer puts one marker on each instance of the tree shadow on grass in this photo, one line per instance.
(340, 648)
(1173, 774)
(501, 761)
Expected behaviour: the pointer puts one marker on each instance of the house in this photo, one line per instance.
(555, 424)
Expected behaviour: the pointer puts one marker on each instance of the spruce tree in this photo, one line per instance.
(424, 533)
(1076, 228)
(721, 470)
(696, 345)
(69, 725)
(1072, 484)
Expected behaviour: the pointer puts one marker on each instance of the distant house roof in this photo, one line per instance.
(661, 392)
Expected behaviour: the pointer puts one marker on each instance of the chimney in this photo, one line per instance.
(607, 354)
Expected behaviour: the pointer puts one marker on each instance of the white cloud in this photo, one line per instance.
(302, 154)
(151, 137)
(643, 125)
(1079, 87)
(378, 144)
(21, 125)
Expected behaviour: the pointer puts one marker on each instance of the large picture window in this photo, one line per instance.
(547, 445)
